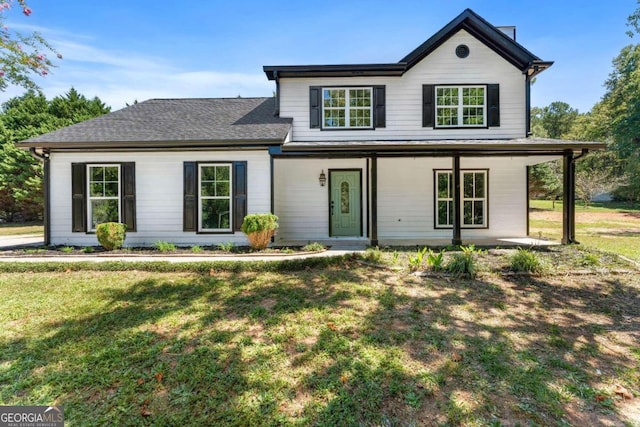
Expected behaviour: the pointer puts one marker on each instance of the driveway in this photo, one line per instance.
(12, 242)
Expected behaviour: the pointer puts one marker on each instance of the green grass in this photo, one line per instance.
(335, 344)
(12, 229)
(610, 226)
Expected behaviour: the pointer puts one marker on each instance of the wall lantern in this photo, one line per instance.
(322, 179)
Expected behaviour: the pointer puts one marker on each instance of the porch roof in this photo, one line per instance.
(505, 146)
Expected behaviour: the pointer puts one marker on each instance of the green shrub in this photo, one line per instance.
(590, 260)
(196, 249)
(373, 254)
(259, 229)
(163, 246)
(525, 260)
(66, 249)
(313, 247)
(88, 249)
(226, 246)
(415, 261)
(435, 260)
(463, 264)
(111, 235)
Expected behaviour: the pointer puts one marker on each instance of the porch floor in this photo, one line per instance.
(363, 243)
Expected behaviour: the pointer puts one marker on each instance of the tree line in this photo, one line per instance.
(23, 117)
(615, 120)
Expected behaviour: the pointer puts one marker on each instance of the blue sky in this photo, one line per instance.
(121, 50)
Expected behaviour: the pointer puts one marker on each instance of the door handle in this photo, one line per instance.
(332, 205)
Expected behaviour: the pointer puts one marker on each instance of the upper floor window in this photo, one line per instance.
(461, 106)
(347, 107)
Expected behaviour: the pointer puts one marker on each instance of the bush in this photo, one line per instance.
(373, 254)
(525, 260)
(111, 235)
(163, 246)
(313, 247)
(464, 263)
(259, 229)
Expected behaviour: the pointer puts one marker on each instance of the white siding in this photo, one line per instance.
(406, 197)
(404, 96)
(159, 195)
(301, 204)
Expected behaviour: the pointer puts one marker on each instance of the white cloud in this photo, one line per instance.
(119, 76)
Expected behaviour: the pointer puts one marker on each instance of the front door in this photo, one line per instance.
(345, 212)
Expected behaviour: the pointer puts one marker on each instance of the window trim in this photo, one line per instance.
(485, 224)
(90, 198)
(200, 228)
(346, 108)
(460, 107)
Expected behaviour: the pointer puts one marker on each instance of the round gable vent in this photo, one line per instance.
(462, 51)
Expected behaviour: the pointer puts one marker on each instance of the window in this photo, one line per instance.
(346, 107)
(474, 199)
(460, 106)
(215, 197)
(104, 194)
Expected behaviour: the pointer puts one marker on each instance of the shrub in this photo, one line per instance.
(463, 263)
(373, 254)
(525, 260)
(163, 246)
(111, 235)
(196, 249)
(435, 260)
(66, 249)
(415, 261)
(313, 247)
(226, 246)
(259, 229)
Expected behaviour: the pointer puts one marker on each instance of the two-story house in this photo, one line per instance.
(430, 149)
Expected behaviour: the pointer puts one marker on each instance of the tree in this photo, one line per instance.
(22, 55)
(21, 191)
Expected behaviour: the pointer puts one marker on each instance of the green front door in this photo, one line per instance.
(345, 203)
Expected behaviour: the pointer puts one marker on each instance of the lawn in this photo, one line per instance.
(611, 226)
(339, 345)
(11, 229)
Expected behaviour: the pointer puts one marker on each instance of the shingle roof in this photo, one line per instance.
(183, 122)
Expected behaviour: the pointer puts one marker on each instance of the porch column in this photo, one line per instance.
(374, 200)
(455, 176)
(568, 199)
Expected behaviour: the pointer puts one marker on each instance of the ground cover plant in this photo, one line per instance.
(611, 226)
(336, 344)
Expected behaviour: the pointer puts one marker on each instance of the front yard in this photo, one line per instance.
(346, 344)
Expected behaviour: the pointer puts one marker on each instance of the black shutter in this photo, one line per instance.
(190, 206)
(428, 106)
(379, 112)
(315, 107)
(129, 195)
(493, 105)
(239, 194)
(79, 197)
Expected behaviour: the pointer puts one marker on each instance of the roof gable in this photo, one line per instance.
(468, 20)
(478, 27)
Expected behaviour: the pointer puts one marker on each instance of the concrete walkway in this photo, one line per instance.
(10, 243)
